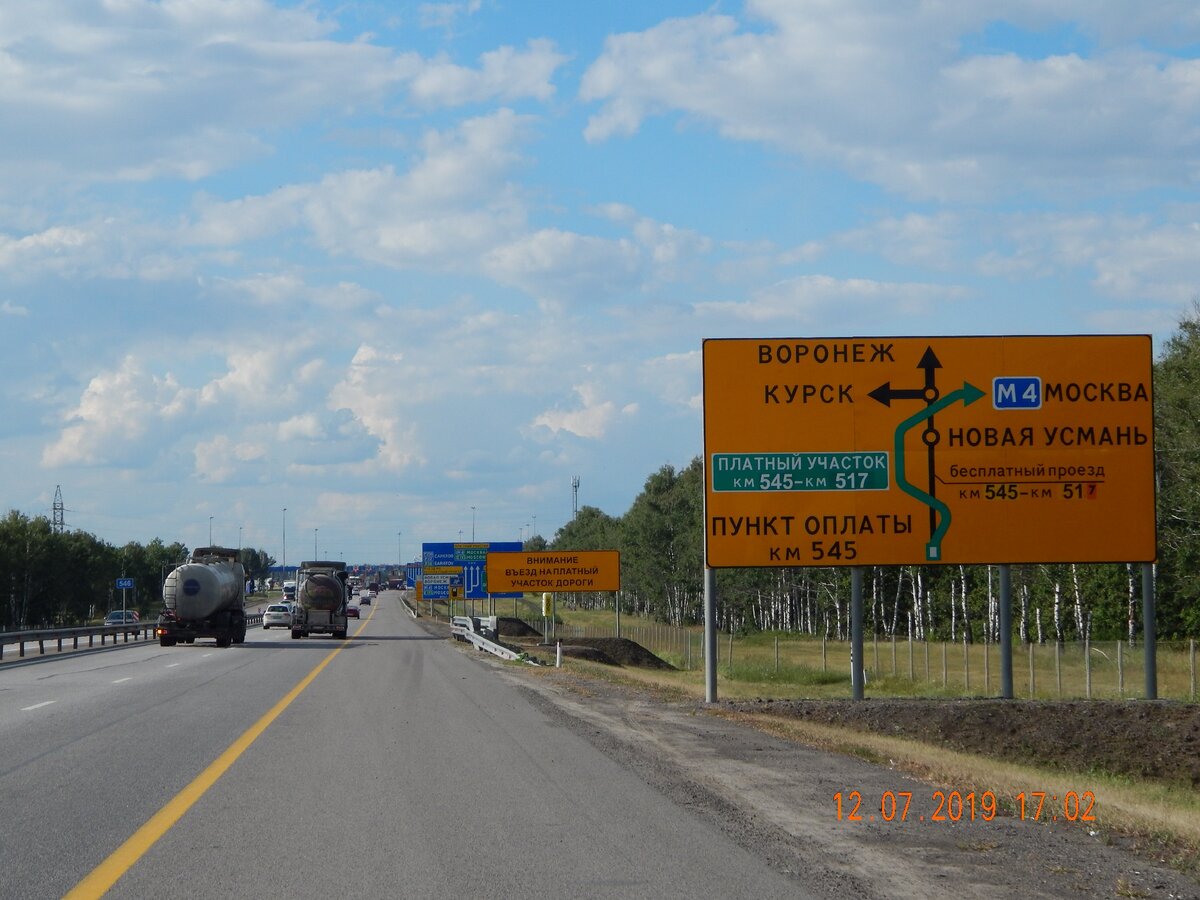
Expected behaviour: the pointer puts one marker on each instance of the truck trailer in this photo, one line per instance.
(204, 597)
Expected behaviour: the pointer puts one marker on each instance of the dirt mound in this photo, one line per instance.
(1156, 740)
(507, 626)
(619, 651)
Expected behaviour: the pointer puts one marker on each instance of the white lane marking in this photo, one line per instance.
(205, 655)
(123, 680)
(172, 665)
(37, 705)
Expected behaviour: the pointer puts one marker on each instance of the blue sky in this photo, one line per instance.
(406, 269)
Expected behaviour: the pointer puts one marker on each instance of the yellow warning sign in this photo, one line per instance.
(558, 570)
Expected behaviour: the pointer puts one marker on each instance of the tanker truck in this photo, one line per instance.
(204, 597)
(321, 598)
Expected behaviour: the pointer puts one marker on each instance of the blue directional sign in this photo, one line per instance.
(1009, 392)
(473, 559)
(124, 584)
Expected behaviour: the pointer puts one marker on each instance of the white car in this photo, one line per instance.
(278, 614)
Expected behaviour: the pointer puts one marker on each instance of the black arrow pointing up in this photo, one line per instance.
(929, 362)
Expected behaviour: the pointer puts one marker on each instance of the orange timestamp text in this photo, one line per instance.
(950, 806)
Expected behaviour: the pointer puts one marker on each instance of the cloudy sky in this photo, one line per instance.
(405, 269)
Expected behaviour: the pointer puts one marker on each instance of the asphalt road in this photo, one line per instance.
(403, 768)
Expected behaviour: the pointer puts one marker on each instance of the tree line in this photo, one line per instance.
(64, 578)
(661, 542)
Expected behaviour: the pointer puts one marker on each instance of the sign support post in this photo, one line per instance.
(1006, 672)
(1149, 626)
(856, 631)
(710, 635)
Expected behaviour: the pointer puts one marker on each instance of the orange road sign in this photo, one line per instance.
(899, 451)
(554, 570)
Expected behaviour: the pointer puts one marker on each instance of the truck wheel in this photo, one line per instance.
(340, 635)
(223, 641)
(166, 642)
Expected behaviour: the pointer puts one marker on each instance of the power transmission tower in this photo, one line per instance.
(58, 510)
(574, 496)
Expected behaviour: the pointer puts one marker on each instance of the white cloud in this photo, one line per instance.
(52, 249)
(885, 92)
(446, 15)
(591, 420)
(372, 389)
(220, 459)
(675, 378)
(116, 412)
(504, 74)
(818, 300)
(141, 90)
(558, 266)
(305, 426)
(453, 204)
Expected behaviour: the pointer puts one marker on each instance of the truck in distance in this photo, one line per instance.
(321, 595)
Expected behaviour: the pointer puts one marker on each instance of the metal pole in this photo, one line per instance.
(1006, 662)
(1151, 664)
(1087, 663)
(710, 635)
(856, 631)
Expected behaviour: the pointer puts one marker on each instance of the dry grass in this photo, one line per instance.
(900, 668)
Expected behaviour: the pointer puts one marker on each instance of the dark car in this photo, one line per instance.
(352, 612)
(122, 617)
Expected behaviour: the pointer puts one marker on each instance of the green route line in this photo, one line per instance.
(968, 394)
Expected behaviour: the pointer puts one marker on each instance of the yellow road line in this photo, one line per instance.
(121, 860)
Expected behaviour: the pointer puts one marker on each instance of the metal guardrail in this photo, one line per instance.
(42, 636)
(471, 628)
(60, 635)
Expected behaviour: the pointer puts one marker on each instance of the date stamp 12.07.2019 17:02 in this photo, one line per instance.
(952, 806)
